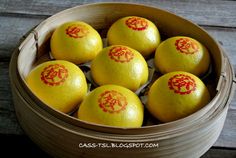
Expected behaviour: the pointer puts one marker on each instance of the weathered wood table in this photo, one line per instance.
(19, 16)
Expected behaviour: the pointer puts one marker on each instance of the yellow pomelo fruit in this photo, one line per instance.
(112, 105)
(176, 95)
(59, 84)
(136, 32)
(120, 65)
(75, 41)
(182, 53)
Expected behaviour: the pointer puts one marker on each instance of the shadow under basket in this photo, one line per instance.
(62, 135)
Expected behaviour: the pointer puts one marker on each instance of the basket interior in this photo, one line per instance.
(35, 48)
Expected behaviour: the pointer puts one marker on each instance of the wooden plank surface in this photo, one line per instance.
(8, 121)
(227, 137)
(18, 17)
(11, 30)
(220, 153)
(204, 12)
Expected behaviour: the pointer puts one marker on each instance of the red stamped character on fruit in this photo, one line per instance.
(112, 101)
(187, 46)
(182, 84)
(137, 23)
(121, 54)
(77, 31)
(54, 75)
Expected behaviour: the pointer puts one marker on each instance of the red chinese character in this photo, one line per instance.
(137, 23)
(121, 54)
(182, 84)
(112, 101)
(54, 75)
(77, 31)
(187, 46)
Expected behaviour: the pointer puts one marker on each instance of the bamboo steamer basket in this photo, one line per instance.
(61, 135)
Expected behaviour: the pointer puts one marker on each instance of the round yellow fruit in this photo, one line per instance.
(136, 32)
(176, 95)
(182, 53)
(112, 105)
(120, 65)
(59, 84)
(76, 42)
